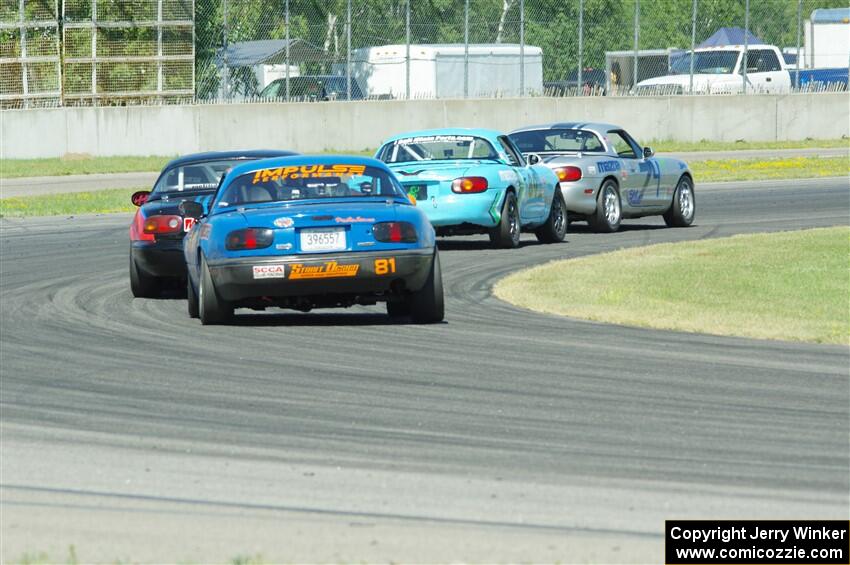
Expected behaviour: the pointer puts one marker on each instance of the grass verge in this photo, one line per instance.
(84, 165)
(768, 169)
(81, 164)
(788, 285)
(71, 203)
(704, 145)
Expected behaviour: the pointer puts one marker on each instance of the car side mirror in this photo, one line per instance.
(140, 197)
(532, 158)
(191, 209)
(648, 152)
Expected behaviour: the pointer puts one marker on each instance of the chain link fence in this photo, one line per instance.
(75, 52)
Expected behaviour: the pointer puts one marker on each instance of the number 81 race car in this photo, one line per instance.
(311, 232)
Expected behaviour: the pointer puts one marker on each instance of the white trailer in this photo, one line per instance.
(827, 39)
(437, 70)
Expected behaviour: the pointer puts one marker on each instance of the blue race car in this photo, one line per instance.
(476, 181)
(311, 232)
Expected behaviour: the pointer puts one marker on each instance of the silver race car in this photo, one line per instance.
(605, 176)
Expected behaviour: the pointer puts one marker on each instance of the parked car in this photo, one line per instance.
(593, 83)
(311, 232)
(606, 176)
(157, 229)
(313, 88)
(471, 181)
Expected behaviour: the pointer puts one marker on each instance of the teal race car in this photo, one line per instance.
(471, 181)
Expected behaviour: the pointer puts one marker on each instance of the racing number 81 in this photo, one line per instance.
(384, 266)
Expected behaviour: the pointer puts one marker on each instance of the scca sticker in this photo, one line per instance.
(307, 172)
(269, 272)
(329, 270)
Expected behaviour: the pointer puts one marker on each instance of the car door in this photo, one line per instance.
(764, 72)
(527, 192)
(637, 190)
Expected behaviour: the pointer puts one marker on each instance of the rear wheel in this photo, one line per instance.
(609, 212)
(142, 284)
(506, 235)
(398, 309)
(191, 298)
(426, 305)
(555, 228)
(683, 208)
(211, 308)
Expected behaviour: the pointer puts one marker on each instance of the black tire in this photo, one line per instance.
(398, 308)
(555, 228)
(426, 305)
(211, 308)
(684, 205)
(506, 235)
(191, 298)
(609, 209)
(142, 285)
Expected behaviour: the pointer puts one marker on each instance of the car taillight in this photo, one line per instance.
(249, 238)
(568, 174)
(137, 229)
(394, 232)
(467, 185)
(163, 224)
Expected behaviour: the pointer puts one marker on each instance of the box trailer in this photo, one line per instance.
(437, 70)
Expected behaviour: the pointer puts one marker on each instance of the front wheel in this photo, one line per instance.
(683, 208)
(211, 308)
(142, 284)
(506, 235)
(609, 212)
(555, 228)
(426, 304)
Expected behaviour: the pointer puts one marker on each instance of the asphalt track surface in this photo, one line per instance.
(131, 432)
(29, 186)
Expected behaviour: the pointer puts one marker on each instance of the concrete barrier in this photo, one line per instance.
(310, 127)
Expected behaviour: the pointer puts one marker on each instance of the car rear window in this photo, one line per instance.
(308, 182)
(200, 176)
(543, 140)
(437, 147)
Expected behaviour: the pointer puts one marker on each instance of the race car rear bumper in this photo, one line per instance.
(163, 258)
(580, 196)
(361, 273)
(481, 209)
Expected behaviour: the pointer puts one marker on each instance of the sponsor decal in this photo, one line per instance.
(269, 272)
(307, 171)
(284, 222)
(205, 231)
(353, 220)
(634, 197)
(188, 223)
(591, 170)
(507, 176)
(328, 270)
(283, 246)
(433, 138)
(608, 166)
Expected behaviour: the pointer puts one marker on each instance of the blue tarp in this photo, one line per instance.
(730, 36)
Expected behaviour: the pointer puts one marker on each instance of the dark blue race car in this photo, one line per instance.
(311, 232)
(156, 233)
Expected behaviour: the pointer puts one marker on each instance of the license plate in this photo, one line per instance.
(327, 239)
(418, 191)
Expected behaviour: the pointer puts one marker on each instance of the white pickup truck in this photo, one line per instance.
(719, 70)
